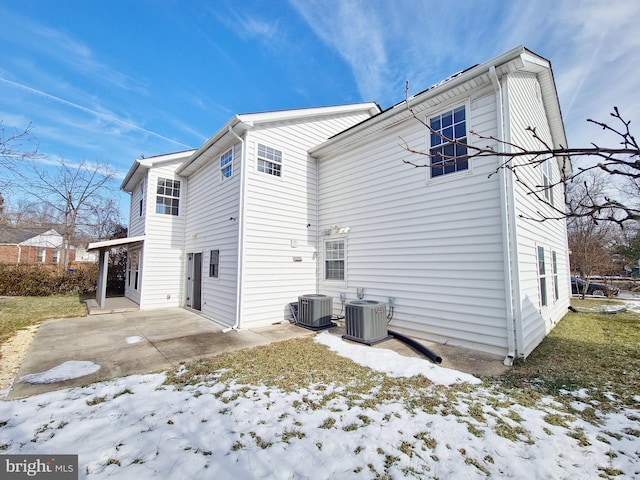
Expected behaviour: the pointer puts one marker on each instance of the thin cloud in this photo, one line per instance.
(100, 115)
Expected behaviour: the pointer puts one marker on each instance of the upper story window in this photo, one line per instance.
(448, 139)
(546, 181)
(168, 196)
(141, 199)
(226, 165)
(269, 160)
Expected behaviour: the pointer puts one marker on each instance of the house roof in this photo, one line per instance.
(517, 59)
(139, 168)
(15, 236)
(115, 242)
(240, 123)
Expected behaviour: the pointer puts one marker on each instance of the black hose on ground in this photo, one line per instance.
(434, 357)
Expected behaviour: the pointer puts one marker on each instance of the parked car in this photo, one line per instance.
(594, 288)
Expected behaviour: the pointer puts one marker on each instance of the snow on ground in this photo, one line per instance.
(64, 371)
(136, 427)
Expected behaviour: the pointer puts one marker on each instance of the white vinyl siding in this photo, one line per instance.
(280, 217)
(138, 200)
(435, 247)
(525, 109)
(161, 262)
(212, 225)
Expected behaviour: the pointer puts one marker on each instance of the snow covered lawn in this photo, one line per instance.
(452, 426)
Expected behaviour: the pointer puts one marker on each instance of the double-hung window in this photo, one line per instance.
(554, 272)
(334, 260)
(269, 160)
(448, 139)
(141, 200)
(42, 255)
(214, 263)
(546, 181)
(542, 277)
(226, 165)
(168, 196)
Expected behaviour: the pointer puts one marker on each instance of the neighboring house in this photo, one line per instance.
(31, 245)
(280, 204)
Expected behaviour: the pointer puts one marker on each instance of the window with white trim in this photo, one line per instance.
(448, 151)
(554, 272)
(226, 165)
(214, 263)
(56, 256)
(269, 160)
(42, 255)
(546, 181)
(542, 277)
(141, 200)
(168, 196)
(334, 259)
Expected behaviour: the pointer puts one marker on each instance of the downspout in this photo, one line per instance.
(318, 266)
(506, 224)
(243, 168)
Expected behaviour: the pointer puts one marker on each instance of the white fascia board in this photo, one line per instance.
(141, 165)
(115, 243)
(294, 114)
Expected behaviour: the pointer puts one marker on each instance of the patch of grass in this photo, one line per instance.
(599, 352)
(21, 312)
(96, 400)
(328, 423)
(126, 391)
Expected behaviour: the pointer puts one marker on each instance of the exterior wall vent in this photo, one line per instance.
(366, 321)
(314, 311)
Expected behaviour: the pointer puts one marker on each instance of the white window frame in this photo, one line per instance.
(141, 200)
(541, 269)
(214, 263)
(547, 170)
(269, 160)
(226, 165)
(433, 137)
(166, 192)
(42, 255)
(326, 259)
(56, 256)
(554, 276)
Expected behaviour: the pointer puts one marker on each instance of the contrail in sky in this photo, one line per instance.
(104, 116)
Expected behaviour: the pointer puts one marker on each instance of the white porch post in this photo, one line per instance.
(103, 267)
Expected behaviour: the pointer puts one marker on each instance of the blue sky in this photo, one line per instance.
(109, 80)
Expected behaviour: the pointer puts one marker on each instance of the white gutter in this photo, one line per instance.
(506, 223)
(243, 176)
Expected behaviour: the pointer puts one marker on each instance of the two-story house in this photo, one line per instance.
(279, 204)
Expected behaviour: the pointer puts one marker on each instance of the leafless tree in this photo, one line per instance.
(73, 192)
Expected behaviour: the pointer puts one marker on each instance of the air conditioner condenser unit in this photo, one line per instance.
(315, 311)
(366, 321)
